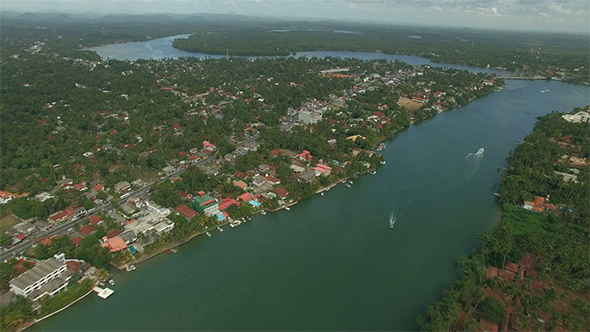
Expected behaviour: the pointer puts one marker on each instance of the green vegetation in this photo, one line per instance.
(551, 55)
(15, 313)
(60, 300)
(531, 271)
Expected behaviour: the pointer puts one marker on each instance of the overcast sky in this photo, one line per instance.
(548, 15)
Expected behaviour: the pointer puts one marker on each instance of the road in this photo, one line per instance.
(63, 228)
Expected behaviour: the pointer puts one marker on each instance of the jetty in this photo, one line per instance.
(103, 293)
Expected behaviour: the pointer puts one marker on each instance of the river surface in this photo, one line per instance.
(332, 262)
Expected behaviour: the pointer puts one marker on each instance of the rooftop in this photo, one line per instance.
(39, 271)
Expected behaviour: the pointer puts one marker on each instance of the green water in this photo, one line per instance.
(332, 262)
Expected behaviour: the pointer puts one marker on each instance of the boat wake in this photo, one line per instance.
(474, 159)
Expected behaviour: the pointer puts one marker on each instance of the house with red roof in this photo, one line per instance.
(98, 187)
(322, 169)
(281, 192)
(95, 220)
(240, 184)
(539, 205)
(6, 197)
(184, 195)
(274, 153)
(227, 202)
(61, 216)
(273, 180)
(305, 155)
(246, 197)
(76, 240)
(187, 211)
(87, 230)
(115, 244)
(240, 175)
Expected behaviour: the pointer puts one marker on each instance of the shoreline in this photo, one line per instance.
(35, 321)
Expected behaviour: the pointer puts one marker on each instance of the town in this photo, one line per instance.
(182, 147)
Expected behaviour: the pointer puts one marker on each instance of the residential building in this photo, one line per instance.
(122, 187)
(46, 277)
(205, 204)
(6, 197)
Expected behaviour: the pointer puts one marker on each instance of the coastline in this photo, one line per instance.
(35, 321)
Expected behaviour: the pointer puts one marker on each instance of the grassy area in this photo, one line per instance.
(522, 221)
(66, 297)
(7, 221)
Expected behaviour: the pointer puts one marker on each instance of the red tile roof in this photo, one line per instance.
(493, 294)
(488, 326)
(115, 244)
(73, 265)
(95, 220)
(492, 272)
(113, 234)
(186, 211)
(98, 187)
(246, 197)
(76, 240)
(512, 267)
(86, 230)
(281, 192)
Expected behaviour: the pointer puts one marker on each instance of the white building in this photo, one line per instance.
(5, 197)
(578, 117)
(46, 277)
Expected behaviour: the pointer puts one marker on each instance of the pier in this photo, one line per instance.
(103, 293)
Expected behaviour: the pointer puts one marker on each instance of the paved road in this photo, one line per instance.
(63, 228)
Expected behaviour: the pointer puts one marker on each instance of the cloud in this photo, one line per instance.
(555, 15)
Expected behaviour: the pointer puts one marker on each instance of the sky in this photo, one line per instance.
(536, 15)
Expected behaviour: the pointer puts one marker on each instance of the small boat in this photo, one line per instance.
(173, 250)
(232, 225)
(545, 90)
(383, 162)
(350, 182)
(112, 282)
(373, 172)
(263, 212)
(168, 251)
(287, 208)
(131, 267)
(497, 194)
(322, 193)
(347, 185)
(391, 220)
(208, 234)
(381, 147)
(220, 229)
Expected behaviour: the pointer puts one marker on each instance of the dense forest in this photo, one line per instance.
(531, 272)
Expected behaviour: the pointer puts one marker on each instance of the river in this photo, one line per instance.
(332, 262)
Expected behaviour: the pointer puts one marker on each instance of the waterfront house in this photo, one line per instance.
(205, 204)
(46, 277)
(186, 211)
(281, 192)
(114, 244)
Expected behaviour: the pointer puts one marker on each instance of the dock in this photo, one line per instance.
(103, 293)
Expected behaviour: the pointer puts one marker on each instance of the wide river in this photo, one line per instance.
(332, 262)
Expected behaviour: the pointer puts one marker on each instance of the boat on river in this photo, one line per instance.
(208, 234)
(287, 208)
(263, 212)
(545, 90)
(392, 220)
(220, 229)
(373, 172)
(112, 282)
(347, 185)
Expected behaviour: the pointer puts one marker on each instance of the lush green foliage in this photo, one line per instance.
(557, 244)
(62, 299)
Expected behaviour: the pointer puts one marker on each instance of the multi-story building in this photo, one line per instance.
(206, 204)
(46, 277)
